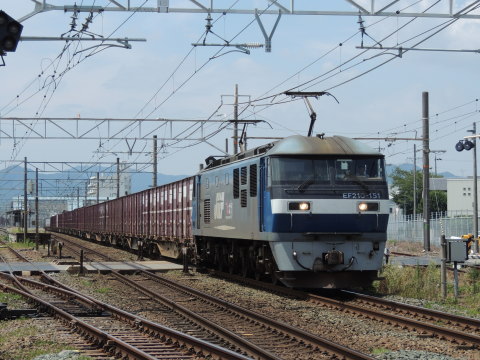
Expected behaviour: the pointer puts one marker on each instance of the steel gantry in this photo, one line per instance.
(121, 129)
(449, 9)
(445, 8)
(76, 128)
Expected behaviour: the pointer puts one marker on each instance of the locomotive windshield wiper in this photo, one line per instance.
(355, 179)
(305, 184)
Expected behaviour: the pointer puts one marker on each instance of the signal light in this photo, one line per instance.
(467, 144)
(464, 144)
(10, 31)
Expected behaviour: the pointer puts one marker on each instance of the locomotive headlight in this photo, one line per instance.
(367, 206)
(299, 206)
(362, 206)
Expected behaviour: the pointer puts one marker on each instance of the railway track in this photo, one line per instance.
(458, 329)
(118, 333)
(108, 327)
(247, 331)
(8, 254)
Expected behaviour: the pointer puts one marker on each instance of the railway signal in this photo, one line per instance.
(10, 31)
(464, 144)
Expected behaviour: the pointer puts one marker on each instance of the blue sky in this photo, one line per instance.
(119, 83)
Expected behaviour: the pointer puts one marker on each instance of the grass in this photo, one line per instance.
(9, 298)
(379, 351)
(103, 290)
(22, 245)
(424, 283)
(12, 333)
(20, 341)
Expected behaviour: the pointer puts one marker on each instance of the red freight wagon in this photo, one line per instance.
(162, 215)
(154, 213)
(174, 208)
(135, 214)
(144, 214)
(89, 219)
(100, 216)
(81, 219)
(114, 223)
(126, 216)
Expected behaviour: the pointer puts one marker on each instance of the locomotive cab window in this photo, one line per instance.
(303, 172)
(306, 172)
(359, 169)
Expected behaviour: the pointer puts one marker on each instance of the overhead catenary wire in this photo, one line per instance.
(277, 102)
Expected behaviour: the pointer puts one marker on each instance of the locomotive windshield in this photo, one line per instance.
(309, 171)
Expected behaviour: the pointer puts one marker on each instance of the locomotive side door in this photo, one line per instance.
(263, 197)
(196, 201)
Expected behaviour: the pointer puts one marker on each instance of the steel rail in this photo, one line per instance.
(67, 292)
(150, 326)
(308, 338)
(435, 330)
(231, 337)
(432, 314)
(84, 328)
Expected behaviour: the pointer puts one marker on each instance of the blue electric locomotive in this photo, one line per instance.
(307, 211)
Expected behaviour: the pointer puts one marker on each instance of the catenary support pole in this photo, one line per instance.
(235, 123)
(426, 173)
(25, 203)
(98, 187)
(475, 192)
(414, 187)
(118, 178)
(36, 210)
(154, 160)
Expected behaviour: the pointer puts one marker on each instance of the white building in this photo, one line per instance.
(107, 188)
(460, 195)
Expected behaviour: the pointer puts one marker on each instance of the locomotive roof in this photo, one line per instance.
(301, 145)
(334, 145)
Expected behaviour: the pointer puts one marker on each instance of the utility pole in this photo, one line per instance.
(437, 152)
(475, 193)
(36, 210)
(118, 178)
(235, 119)
(414, 183)
(25, 204)
(154, 159)
(98, 187)
(426, 173)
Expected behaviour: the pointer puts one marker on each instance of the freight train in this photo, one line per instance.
(310, 212)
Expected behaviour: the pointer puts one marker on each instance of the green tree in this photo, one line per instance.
(402, 192)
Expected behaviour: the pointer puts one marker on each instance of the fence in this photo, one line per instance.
(407, 228)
